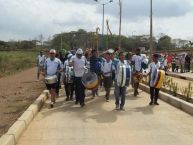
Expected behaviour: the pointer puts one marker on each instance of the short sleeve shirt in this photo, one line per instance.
(79, 65)
(137, 59)
(52, 66)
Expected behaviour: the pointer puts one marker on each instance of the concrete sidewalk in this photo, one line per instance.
(99, 124)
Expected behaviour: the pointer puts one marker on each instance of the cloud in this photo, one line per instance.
(27, 19)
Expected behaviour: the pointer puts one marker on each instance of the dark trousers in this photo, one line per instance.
(154, 94)
(120, 92)
(69, 88)
(58, 84)
(79, 90)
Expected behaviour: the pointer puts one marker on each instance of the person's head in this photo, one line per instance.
(108, 56)
(41, 53)
(155, 58)
(138, 51)
(52, 53)
(79, 53)
(121, 56)
(94, 53)
(69, 56)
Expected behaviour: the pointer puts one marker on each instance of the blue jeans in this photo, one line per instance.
(79, 90)
(120, 93)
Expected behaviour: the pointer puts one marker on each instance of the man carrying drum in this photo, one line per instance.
(79, 63)
(52, 67)
(95, 67)
(107, 71)
(153, 68)
(137, 60)
(122, 80)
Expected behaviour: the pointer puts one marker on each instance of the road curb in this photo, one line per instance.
(16, 130)
(176, 102)
(179, 76)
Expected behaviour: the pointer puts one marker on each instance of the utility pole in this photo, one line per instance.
(151, 30)
(103, 21)
(61, 41)
(120, 22)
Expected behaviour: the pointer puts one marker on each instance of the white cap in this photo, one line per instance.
(52, 51)
(79, 51)
(69, 55)
(110, 51)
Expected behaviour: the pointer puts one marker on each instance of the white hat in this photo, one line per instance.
(79, 51)
(52, 51)
(110, 51)
(69, 55)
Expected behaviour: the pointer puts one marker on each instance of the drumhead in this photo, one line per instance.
(90, 80)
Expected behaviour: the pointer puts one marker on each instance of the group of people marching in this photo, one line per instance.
(110, 69)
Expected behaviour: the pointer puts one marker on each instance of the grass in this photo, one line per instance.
(12, 62)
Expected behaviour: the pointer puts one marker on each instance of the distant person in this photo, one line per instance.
(165, 63)
(53, 66)
(40, 63)
(187, 63)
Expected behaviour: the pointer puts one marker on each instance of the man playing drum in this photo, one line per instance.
(137, 70)
(95, 67)
(79, 63)
(122, 80)
(52, 67)
(40, 63)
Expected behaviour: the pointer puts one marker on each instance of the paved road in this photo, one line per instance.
(99, 124)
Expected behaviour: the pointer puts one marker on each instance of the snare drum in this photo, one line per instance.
(51, 79)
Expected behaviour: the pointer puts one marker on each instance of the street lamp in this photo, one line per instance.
(151, 30)
(103, 21)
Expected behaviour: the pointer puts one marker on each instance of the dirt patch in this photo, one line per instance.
(17, 93)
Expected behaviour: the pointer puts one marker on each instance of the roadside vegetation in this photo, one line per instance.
(12, 62)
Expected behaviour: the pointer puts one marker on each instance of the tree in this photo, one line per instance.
(164, 42)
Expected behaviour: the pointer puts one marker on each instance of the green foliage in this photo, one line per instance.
(14, 61)
(164, 43)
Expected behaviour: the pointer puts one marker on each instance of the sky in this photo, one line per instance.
(27, 19)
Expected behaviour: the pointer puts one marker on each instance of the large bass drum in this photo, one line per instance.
(157, 79)
(90, 81)
(51, 79)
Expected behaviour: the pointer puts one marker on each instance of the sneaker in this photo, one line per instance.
(107, 100)
(67, 99)
(117, 107)
(82, 105)
(151, 103)
(156, 103)
(52, 105)
(122, 108)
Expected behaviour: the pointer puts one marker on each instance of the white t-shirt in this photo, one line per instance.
(107, 67)
(79, 65)
(153, 67)
(137, 59)
(41, 60)
(165, 62)
(52, 66)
